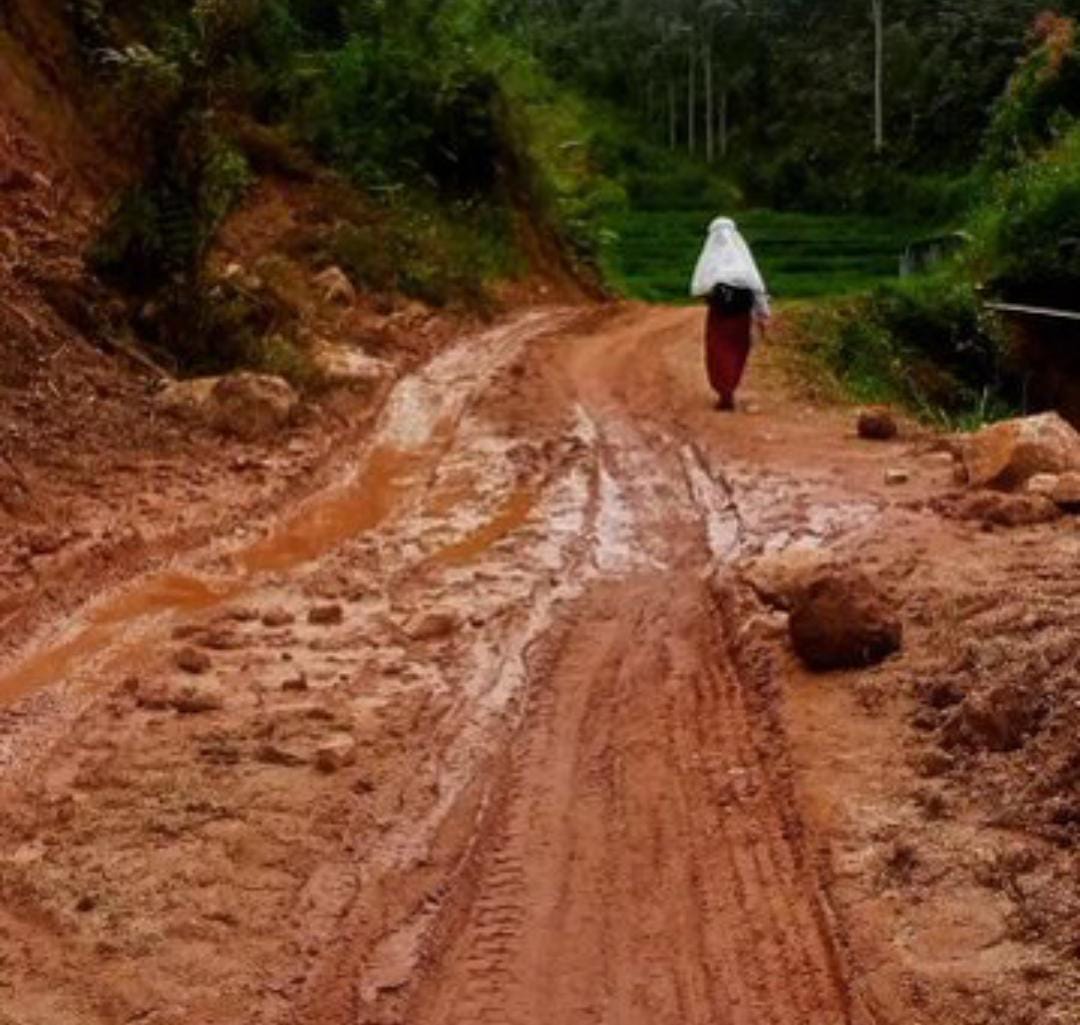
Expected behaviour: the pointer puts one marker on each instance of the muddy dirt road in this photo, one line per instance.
(491, 731)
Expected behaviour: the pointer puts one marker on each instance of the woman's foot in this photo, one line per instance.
(726, 404)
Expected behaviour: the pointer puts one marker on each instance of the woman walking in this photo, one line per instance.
(728, 279)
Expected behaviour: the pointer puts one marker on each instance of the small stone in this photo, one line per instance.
(296, 683)
(153, 694)
(274, 619)
(45, 542)
(326, 615)
(195, 697)
(877, 425)
(87, 902)
(336, 287)
(1042, 484)
(221, 640)
(896, 477)
(1066, 492)
(193, 661)
(432, 626)
(275, 754)
(935, 763)
(335, 753)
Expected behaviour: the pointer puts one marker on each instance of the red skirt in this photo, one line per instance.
(727, 347)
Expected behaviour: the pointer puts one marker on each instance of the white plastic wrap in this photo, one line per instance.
(726, 260)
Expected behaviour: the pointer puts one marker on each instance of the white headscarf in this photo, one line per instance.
(727, 260)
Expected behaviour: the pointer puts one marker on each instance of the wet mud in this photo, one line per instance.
(493, 730)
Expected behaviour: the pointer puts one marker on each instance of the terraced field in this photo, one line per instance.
(802, 256)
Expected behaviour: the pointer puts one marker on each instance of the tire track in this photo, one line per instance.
(628, 880)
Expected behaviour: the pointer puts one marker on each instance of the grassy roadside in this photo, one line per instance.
(651, 255)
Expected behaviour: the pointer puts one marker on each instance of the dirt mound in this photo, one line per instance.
(841, 620)
(995, 508)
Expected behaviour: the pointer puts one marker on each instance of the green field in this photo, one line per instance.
(802, 256)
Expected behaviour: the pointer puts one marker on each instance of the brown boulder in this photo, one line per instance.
(877, 424)
(1007, 455)
(842, 621)
(251, 406)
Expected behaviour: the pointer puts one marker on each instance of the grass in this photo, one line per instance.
(802, 256)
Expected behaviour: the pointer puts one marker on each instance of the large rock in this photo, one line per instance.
(248, 406)
(840, 620)
(252, 406)
(1007, 455)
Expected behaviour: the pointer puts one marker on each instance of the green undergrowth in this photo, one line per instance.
(652, 254)
(461, 151)
(926, 344)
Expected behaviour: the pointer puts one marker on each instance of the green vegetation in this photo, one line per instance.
(929, 342)
(924, 343)
(651, 254)
(461, 152)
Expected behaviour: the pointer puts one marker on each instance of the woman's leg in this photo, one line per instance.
(727, 349)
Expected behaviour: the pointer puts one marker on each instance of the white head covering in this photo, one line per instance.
(727, 260)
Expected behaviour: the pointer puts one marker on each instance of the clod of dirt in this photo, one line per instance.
(45, 542)
(1042, 484)
(432, 626)
(187, 400)
(326, 615)
(252, 406)
(193, 661)
(196, 696)
(997, 509)
(336, 752)
(336, 287)
(153, 694)
(842, 621)
(940, 694)
(342, 367)
(999, 719)
(1006, 455)
(275, 754)
(276, 618)
(297, 683)
(1066, 492)
(934, 763)
(877, 425)
(897, 476)
(221, 640)
(780, 579)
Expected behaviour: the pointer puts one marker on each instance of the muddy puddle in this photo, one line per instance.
(417, 428)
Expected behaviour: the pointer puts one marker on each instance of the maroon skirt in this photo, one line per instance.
(727, 346)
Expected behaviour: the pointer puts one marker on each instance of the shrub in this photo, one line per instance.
(1028, 231)
(926, 343)
(1042, 99)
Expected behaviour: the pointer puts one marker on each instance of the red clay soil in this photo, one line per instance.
(495, 728)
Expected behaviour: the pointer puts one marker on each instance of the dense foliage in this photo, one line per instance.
(781, 92)
(443, 121)
(1025, 229)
